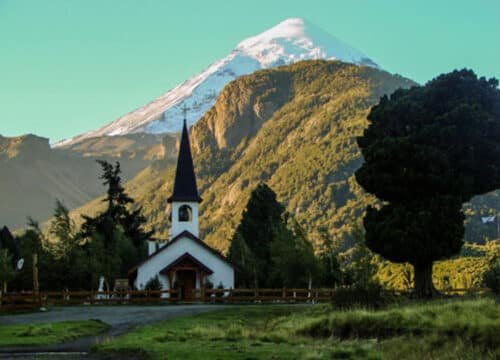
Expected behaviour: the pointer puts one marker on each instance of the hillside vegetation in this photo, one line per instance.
(293, 127)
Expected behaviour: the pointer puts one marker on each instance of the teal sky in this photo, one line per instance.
(68, 66)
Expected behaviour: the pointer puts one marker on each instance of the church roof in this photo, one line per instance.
(187, 258)
(185, 234)
(185, 188)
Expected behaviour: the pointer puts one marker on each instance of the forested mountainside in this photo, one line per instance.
(293, 127)
(33, 175)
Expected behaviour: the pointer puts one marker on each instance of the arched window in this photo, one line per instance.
(185, 213)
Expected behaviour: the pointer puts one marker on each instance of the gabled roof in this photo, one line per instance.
(185, 188)
(189, 258)
(183, 234)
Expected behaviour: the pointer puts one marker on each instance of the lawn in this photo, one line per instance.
(452, 329)
(48, 334)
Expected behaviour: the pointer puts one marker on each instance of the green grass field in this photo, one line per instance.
(48, 334)
(452, 329)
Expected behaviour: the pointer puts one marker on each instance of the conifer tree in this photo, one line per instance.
(6, 269)
(269, 248)
(428, 150)
(62, 228)
(261, 217)
(116, 227)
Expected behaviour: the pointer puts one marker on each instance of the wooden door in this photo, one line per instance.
(187, 283)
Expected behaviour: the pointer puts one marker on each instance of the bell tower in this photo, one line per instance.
(185, 198)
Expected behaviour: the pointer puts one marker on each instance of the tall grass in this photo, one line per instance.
(477, 321)
(447, 329)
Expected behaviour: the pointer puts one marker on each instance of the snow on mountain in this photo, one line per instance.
(290, 41)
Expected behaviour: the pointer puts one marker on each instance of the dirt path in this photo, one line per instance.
(120, 318)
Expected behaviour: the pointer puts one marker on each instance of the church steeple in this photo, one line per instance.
(185, 198)
(185, 188)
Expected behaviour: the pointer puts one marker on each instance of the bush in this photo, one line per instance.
(154, 284)
(208, 284)
(370, 296)
(220, 287)
(492, 278)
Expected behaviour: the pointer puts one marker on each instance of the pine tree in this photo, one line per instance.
(262, 215)
(269, 248)
(118, 230)
(6, 269)
(62, 229)
(8, 242)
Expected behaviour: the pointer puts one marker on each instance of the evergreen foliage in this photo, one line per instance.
(154, 284)
(492, 278)
(330, 273)
(270, 249)
(6, 269)
(295, 128)
(8, 242)
(428, 150)
(117, 230)
(108, 244)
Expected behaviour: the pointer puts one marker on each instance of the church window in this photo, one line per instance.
(185, 213)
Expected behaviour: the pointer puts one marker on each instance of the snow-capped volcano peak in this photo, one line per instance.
(296, 39)
(289, 41)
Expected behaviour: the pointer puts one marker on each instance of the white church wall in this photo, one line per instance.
(180, 226)
(151, 247)
(222, 271)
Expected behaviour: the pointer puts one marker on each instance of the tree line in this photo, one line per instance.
(270, 249)
(107, 244)
(427, 150)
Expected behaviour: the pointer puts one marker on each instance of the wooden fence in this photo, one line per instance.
(25, 301)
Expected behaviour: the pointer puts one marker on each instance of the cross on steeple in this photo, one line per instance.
(185, 109)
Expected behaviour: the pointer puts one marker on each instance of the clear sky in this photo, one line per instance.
(68, 66)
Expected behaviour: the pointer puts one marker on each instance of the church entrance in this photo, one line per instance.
(185, 274)
(186, 282)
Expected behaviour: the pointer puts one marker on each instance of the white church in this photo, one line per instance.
(184, 261)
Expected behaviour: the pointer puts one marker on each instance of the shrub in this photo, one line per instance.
(220, 287)
(370, 296)
(154, 284)
(208, 284)
(492, 278)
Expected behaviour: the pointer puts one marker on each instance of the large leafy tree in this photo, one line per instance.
(428, 150)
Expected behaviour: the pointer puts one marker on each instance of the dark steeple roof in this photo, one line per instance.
(185, 181)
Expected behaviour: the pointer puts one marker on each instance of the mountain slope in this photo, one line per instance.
(33, 176)
(290, 41)
(293, 127)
